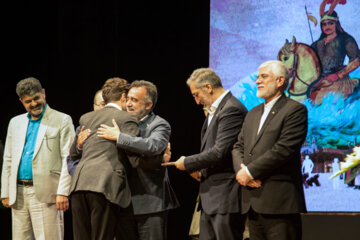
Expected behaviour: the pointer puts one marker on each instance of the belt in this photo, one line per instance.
(25, 182)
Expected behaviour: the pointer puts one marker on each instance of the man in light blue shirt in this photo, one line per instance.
(25, 167)
(35, 182)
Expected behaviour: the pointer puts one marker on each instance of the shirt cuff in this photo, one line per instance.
(248, 172)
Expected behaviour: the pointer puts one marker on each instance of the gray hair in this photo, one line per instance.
(279, 69)
(201, 76)
(151, 90)
(28, 86)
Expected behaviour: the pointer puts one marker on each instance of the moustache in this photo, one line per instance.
(36, 107)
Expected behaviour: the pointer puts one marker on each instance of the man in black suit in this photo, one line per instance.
(152, 195)
(99, 187)
(268, 155)
(219, 192)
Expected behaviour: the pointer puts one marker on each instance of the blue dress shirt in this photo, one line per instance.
(25, 167)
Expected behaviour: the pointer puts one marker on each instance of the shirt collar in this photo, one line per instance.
(143, 119)
(215, 104)
(40, 117)
(270, 104)
(113, 105)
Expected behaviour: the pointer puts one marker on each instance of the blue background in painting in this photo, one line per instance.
(244, 34)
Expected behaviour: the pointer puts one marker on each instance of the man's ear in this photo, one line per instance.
(123, 97)
(148, 105)
(208, 87)
(280, 82)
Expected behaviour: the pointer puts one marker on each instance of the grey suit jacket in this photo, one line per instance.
(273, 156)
(103, 167)
(50, 174)
(149, 182)
(219, 191)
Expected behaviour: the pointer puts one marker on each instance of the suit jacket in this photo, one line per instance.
(149, 182)
(50, 175)
(273, 156)
(72, 163)
(102, 167)
(219, 191)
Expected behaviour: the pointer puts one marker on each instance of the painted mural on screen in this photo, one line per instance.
(318, 42)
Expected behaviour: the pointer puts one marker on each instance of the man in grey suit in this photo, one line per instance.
(219, 192)
(97, 105)
(268, 153)
(99, 188)
(35, 182)
(152, 195)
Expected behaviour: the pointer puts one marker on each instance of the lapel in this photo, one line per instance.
(204, 126)
(274, 110)
(146, 123)
(209, 128)
(42, 130)
(21, 136)
(256, 122)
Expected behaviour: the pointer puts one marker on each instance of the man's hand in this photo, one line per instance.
(255, 183)
(5, 202)
(109, 133)
(62, 202)
(242, 176)
(83, 135)
(245, 180)
(179, 164)
(167, 154)
(196, 175)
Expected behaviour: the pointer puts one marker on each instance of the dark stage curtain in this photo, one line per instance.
(72, 47)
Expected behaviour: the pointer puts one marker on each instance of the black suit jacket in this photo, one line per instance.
(103, 167)
(273, 156)
(219, 191)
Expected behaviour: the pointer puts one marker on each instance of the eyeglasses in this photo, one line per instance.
(101, 104)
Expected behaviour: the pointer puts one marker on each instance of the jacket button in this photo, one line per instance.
(250, 154)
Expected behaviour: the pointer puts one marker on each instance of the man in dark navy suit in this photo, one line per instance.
(219, 192)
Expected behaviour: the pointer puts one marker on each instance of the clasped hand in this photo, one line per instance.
(245, 180)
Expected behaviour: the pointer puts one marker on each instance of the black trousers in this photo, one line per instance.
(68, 224)
(274, 226)
(228, 226)
(151, 226)
(94, 217)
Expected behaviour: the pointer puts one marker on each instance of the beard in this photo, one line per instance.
(37, 110)
(139, 114)
(268, 92)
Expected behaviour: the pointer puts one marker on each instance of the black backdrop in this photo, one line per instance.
(72, 47)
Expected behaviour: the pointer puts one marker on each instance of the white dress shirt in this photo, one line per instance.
(114, 105)
(214, 106)
(267, 108)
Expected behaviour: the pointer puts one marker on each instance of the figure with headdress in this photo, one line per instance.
(332, 47)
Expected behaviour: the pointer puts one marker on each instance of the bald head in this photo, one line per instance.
(98, 100)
